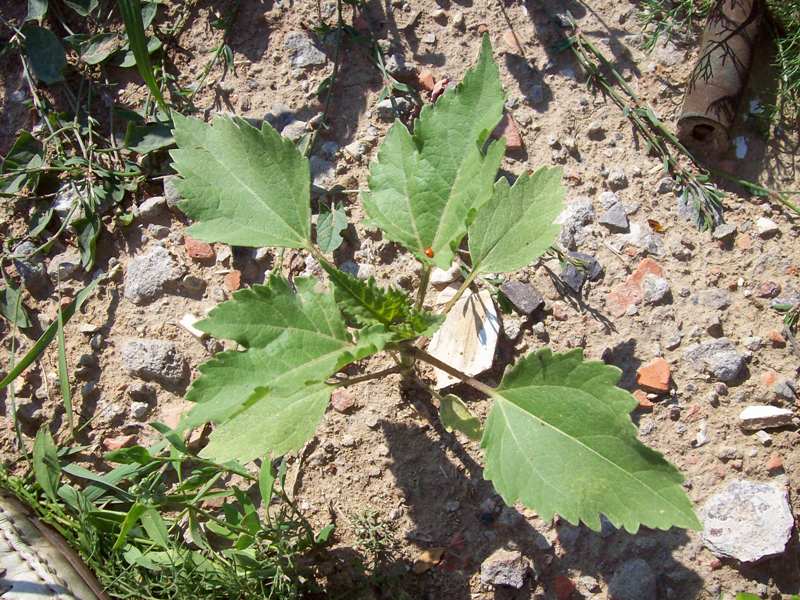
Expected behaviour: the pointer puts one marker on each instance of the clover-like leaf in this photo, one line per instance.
(516, 226)
(330, 225)
(243, 186)
(368, 304)
(559, 439)
(425, 187)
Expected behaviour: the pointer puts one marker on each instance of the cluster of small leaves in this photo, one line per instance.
(558, 437)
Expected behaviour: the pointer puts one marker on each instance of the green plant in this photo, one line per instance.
(165, 524)
(663, 18)
(558, 437)
(374, 536)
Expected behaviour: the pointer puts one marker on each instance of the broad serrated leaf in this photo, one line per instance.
(293, 338)
(45, 53)
(559, 439)
(454, 414)
(424, 188)
(271, 423)
(516, 226)
(330, 225)
(258, 315)
(243, 186)
(368, 304)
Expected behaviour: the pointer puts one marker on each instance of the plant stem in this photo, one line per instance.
(424, 280)
(369, 376)
(470, 381)
(336, 62)
(467, 282)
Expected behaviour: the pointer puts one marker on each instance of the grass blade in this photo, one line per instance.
(63, 374)
(134, 27)
(49, 333)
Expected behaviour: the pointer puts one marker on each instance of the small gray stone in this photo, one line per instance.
(522, 296)
(279, 116)
(575, 276)
(615, 218)
(147, 275)
(323, 172)
(64, 266)
(30, 267)
(505, 568)
(617, 180)
(302, 51)
(747, 521)
(171, 193)
(766, 227)
(139, 410)
(356, 149)
(724, 231)
(139, 391)
(294, 130)
(328, 149)
(714, 298)
(633, 580)
(656, 289)
(429, 38)
(573, 219)
(608, 199)
(158, 232)
(154, 360)
(150, 208)
(719, 357)
(385, 110)
(666, 185)
(396, 65)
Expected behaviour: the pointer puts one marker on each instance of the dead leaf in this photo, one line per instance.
(656, 226)
(428, 558)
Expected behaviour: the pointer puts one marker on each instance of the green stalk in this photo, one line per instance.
(63, 374)
(464, 286)
(132, 16)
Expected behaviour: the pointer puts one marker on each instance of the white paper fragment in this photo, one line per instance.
(467, 340)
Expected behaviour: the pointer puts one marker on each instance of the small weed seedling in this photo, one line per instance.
(558, 437)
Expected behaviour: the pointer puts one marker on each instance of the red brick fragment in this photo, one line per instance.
(342, 400)
(233, 280)
(426, 80)
(563, 587)
(642, 399)
(508, 130)
(654, 375)
(198, 250)
(775, 463)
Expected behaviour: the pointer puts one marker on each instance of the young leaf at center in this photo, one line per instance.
(424, 187)
(516, 226)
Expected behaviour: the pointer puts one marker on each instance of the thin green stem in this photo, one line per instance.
(464, 286)
(470, 381)
(368, 377)
(424, 281)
